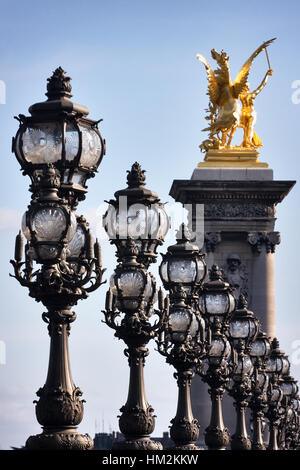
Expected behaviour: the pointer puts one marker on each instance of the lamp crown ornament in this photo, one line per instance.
(217, 327)
(242, 303)
(136, 176)
(275, 347)
(215, 273)
(48, 184)
(183, 233)
(59, 85)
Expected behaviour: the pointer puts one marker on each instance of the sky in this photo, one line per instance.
(133, 63)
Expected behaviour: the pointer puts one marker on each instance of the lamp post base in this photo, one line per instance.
(137, 444)
(60, 440)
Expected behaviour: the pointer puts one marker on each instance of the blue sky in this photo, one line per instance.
(133, 64)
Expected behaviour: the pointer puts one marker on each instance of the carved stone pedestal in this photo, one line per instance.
(239, 236)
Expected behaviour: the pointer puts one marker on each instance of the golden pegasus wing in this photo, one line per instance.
(242, 76)
(213, 87)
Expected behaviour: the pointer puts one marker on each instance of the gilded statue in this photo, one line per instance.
(248, 114)
(225, 112)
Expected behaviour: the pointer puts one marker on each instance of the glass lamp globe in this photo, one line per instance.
(77, 243)
(59, 132)
(217, 299)
(183, 324)
(289, 387)
(243, 324)
(296, 404)
(46, 228)
(275, 395)
(244, 366)
(133, 289)
(183, 264)
(219, 350)
(278, 362)
(138, 214)
(260, 348)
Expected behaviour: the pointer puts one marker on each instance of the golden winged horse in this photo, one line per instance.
(224, 107)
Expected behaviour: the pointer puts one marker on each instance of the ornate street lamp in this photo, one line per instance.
(244, 325)
(216, 371)
(243, 328)
(278, 363)
(183, 264)
(132, 294)
(137, 213)
(273, 413)
(289, 389)
(277, 366)
(59, 132)
(260, 350)
(182, 339)
(216, 300)
(293, 428)
(216, 303)
(64, 275)
(182, 343)
(240, 390)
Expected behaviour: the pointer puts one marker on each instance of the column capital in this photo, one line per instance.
(258, 239)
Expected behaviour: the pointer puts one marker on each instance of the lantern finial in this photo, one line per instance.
(136, 176)
(59, 85)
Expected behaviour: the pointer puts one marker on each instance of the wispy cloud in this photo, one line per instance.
(9, 219)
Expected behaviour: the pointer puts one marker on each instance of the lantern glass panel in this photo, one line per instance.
(287, 388)
(77, 243)
(232, 303)
(164, 223)
(164, 271)
(72, 141)
(42, 143)
(138, 221)
(49, 224)
(239, 329)
(201, 270)
(244, 366)
(274, 364)
(218, 347)
(285, 365)
(275, 395)
(131, 283)
(182, 270)
(216, 304)
(91, 147)
(180, 322)
(258, 348)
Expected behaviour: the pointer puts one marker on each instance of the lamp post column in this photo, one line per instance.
(59, 408)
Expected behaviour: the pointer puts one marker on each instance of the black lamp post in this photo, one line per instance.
(289, 389)
(260, 350)
(59, 132)
(216, 303)
(292, 431)
(182, 339)
(243, 328)
(136, 225)
(70, 268)
(277, 366)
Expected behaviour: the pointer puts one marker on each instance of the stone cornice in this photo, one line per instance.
(201, 192)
